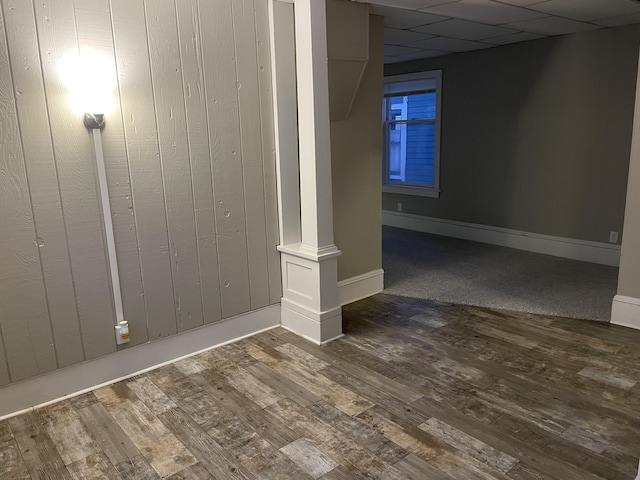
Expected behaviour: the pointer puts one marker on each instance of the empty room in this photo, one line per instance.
(215, 221)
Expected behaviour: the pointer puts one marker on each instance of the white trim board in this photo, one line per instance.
(74, 380)
(317, 327)
(625, 311)
(360, 286)
(586, 251)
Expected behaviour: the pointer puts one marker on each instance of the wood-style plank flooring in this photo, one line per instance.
(414, 390)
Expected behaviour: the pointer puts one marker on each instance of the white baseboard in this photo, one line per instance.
(360, 286)
(586, 251)
(625, 311)
(317, 327)
(70, 381)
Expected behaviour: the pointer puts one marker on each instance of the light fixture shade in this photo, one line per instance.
(90, 78)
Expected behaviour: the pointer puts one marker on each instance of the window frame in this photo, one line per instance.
(405, 187)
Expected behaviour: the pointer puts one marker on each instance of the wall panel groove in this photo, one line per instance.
(224, 140)
(251, 146)
(43, 180)
(134, 78)
(200, 156)
(174, 157)
(76, 174)
(263, 53)
(25, 323)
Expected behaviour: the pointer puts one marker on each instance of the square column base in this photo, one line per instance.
(316, 327)
(310, 306)
(625, 311)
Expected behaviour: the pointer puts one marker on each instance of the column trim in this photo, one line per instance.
(314, 254)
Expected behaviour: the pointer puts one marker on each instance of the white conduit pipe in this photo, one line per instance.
(108, 224)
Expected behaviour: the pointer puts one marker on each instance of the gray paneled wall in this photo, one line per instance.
(190, 166)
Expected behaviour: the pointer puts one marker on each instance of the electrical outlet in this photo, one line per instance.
(399, 206)
(613, 237)
(122, 333)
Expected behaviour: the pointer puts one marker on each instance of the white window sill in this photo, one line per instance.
(411, 190)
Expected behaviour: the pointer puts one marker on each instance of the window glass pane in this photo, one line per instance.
(396, 150)
(420, 153)
(412, 153)
(415, 106)
(422, 105)
(411, 119)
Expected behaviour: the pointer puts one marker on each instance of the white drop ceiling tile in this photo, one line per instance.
(394, 36)
(449, 44)
(410, 4)
(396, 51)
(485, 11)
(553, 26)
(619, 21)
(514, 38)
(464, 30)
(588, 10)
(402, 19)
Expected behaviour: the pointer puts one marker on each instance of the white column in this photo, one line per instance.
(310, 304)
(626, 304)
(313, 124)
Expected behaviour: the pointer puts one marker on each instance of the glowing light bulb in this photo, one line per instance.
(90, 78)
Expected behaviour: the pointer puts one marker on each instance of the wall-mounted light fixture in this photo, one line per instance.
(91, 79)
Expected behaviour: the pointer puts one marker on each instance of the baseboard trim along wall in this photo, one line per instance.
(77, 379)
(586, 251)
(360, 286)
(625, 311)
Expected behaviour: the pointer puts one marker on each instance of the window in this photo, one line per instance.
(411, 116)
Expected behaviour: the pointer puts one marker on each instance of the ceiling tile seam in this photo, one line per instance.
(522, 6)
(512, 32)
(459, 39)
(545, 15)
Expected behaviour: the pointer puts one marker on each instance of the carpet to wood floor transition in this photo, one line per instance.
(445, 269)
(415, 390)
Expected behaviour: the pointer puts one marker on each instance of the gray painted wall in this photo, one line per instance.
(190, 167)
(356, 155)
(535, 136)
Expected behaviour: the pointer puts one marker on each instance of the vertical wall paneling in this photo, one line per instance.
(166, 74)
(43, 180)
(76, 173)
(190, 164)
(24, 319)
(198, 137)
(251, 142)
(134, 78)
(93, 21)
(268, 147)
(222, 97)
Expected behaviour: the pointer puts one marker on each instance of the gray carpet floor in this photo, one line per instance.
(450, 270)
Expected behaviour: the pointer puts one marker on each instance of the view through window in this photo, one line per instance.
(412, 129)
